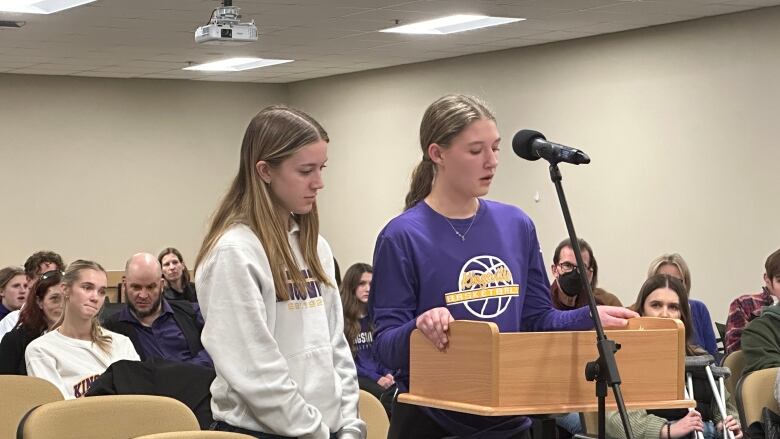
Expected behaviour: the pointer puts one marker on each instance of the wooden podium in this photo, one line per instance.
(487, 373)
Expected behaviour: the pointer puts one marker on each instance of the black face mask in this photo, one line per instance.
(570, 283)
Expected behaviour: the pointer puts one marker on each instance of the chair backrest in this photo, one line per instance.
(20, 394)
(108, 417)
(755, 391)
(373, 413)
(590, 423)
(735, 361)
(195, 435)
(721, 327)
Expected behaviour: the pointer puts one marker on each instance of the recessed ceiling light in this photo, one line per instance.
(237, 64)
(451, 24)
(40, 6)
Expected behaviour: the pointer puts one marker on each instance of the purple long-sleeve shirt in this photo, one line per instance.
(365, 358)
(495, 274)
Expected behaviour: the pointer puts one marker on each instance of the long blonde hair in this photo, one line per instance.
(71, 276)
(273, 135)
(443, 120)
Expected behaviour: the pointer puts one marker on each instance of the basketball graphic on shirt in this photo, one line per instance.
(485, 287)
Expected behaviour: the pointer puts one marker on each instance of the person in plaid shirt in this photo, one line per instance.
(748, 306)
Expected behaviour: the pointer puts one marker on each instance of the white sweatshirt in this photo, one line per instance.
(282, 367)
(71, 364)
(9, 322)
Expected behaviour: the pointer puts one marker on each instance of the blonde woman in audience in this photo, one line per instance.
(41, 312)
(78, 350)
(265, 278)
(666, 297)
(674, 265)
(177, 277)
(13, 290)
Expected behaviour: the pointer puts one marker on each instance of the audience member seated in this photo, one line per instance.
(665, 296)
(566, 289)
(372, 376)
(77, 350)
(761, 337)
(747, 307)
(177, 277)
(13, 290)
(40, 262)
(674, 265)
(157, 327)
(41, 312)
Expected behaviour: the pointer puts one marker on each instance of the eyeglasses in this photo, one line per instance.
(52, 273)
(568, 267)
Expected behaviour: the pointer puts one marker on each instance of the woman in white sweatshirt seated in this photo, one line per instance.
(76, 351)
(265, 280)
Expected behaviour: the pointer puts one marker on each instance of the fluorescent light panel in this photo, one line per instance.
(39, 6)
(451, 24)
(237, 64)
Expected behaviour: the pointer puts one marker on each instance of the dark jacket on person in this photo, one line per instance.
(188, 383)
(12, 351)
(185, 315)
(761, 340)
(189, 294)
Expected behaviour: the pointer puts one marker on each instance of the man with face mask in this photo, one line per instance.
(749, 307)
(566, 289)
(158, 328)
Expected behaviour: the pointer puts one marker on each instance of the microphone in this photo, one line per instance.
(532, 145)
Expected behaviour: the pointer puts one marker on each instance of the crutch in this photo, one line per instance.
(692, 365)
(720, 393)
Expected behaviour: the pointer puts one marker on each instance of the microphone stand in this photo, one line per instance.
(603, 370)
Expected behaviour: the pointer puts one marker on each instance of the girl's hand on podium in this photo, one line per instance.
(434, 324)
(614, 317)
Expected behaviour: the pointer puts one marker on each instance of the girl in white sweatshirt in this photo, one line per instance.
(265, 282)
(77, 350)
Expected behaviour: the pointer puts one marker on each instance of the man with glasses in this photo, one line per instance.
(566, 290)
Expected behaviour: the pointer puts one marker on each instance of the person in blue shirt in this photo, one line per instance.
(157, 327)
(452, 255)
(372, 376)
(674, 265)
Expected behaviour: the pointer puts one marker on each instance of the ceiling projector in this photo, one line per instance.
(225, 28)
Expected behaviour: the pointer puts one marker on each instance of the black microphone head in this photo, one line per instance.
(522, 143)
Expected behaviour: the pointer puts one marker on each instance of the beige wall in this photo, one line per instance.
(102, 168)
(679, 121)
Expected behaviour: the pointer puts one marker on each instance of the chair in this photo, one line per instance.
(373, 413)
(735, 361)
(590, 423)
(21, 394)
(721, 327)
(107, 417)
(754, 392)
(195, 435)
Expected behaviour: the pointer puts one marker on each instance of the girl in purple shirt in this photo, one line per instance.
(453, 255)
